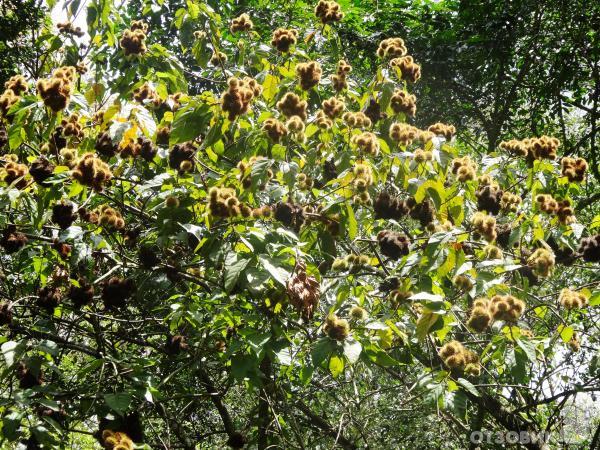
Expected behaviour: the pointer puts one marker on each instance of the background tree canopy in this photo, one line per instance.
(298, 225)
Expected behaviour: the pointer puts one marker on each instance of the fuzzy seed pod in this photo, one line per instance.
(336, 328)
(392, 244)
(328, 11)
(589, 248)
(409, 70)
(292, 105)
(506, 307)
(391, 48)
(242, 23)
(283, 39)
(403, 133)
(12, 241)
(309, 74)
(116, 291)
(83, 294)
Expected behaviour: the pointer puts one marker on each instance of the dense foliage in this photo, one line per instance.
(216, 232)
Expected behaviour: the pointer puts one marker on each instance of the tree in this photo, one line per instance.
(277, 257)
(20, 23)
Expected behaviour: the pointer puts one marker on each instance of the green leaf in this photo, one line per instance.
(566, 333)
(12, 350)
(352, 350)
(424, 323)
(321, 350)
(336, 366)
(468, 386)
(118, 402)
(279, 274)
(189, 122)
(270, 87)
(352, 224)
(234, 266)
(528, 347)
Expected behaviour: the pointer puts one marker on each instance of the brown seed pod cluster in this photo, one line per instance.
(350, 261)
(358, 313)
(363, 177)
(373, 111)
(543, 147)
(304, 182)
(574, 344)
(12, 240)
(572, 299)
(13, 172)
(339, 80)
(63, 215)
(81, 68)
(574, 169)
(110, 217)
(542, 262)
(240, 93)
(27, 378)
(6, 314)
(506, 307)
(481, 317)
(245, 168)
(328, 11)
(490, 251)
(146, 94)
(464, 168)
(366, 142)
(484, 226)
(83, 294)
(241, 23)
(87, 216)
(104, 145)
(403, 133)
(68, 28)
(92, 171)
(388, 207)
(218, 58)
(424, 212)
(409, 70)
(309, 74)
(456, 356)
(323, 121)
(176, 344)
(589, 248)
(292, 105)
(181, 157)
(3, 137)
(275, 129)
(357, 120)
(7, 99)
(560, 208)
(133, 41)
(336, 328)
(49, 297)
(403, 102)
(463, 282)
(14, 87)
(116, 291)
(17, 84)
(142, 146)
(116, 440)
(291, 215)
(391, 48)
(162, 135)
(56, 91)
(421, 156)
(393, 244)
(489, 198)
(515, 146)
(333, 107)
(62, 248)
(283, 39)
(441, 129)
(296, 127)
(72, 127)
(510, 202)
(303, 290)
